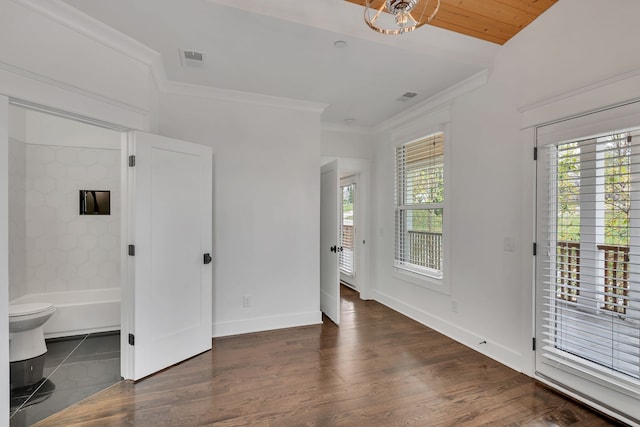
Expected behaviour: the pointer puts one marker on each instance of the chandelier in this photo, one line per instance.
(401, 16)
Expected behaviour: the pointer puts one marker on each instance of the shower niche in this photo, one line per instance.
(95, 202)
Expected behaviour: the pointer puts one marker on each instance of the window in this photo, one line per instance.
(591, 311)
(419, 206)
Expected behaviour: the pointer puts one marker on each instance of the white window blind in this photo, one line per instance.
(419, 205)
(589, 282)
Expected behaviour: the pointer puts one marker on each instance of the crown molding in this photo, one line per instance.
(71, 88)
(90, 27)
(446, 96)
(228, 95)
(617, 90)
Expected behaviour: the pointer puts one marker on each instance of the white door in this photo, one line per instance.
(329, 214)
(171, 219)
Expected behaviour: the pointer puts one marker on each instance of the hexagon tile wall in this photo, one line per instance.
(66, 251)
(17, 219)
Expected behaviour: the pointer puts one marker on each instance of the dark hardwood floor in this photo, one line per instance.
(378, 368)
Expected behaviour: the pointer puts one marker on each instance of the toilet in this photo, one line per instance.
(26, 342)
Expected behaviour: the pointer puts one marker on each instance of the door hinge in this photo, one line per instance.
(535, 249)
(132, 161)
(132, 250)
(533, 343)
(535, 153)
(132, 339)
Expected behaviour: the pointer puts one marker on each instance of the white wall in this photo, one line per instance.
(346, 142)
(58, 59)
(17, 219)
(574, 44)
(266, 208)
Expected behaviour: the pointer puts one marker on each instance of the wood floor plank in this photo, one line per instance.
(378, 368)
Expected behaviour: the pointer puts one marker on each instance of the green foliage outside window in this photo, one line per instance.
(615, 152)
(427, 186)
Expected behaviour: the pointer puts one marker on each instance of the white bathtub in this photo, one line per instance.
(79, 312)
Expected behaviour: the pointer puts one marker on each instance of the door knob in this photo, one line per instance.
(334, 248)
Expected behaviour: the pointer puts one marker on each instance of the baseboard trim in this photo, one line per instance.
(495, 351)
(260, 324)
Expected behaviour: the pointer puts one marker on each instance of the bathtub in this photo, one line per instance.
(79, 312)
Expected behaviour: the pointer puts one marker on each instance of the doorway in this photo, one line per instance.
(181, 174)
(64, 254)
(347, 230)
(344, 217)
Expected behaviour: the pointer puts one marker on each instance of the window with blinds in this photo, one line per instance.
(591, 273)
(419, 205)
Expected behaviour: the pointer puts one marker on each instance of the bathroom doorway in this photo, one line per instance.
(165, 287)
(62, 254)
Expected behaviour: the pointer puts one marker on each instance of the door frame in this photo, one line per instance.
(363, 168)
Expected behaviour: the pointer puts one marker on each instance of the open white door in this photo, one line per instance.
(170, 198)
(329, 214)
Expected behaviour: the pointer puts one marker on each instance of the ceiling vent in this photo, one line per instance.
(191, 57)
(407, 96)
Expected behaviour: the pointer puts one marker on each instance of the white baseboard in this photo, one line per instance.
(259, 324)
(495, 351)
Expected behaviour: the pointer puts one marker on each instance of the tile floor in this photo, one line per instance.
(74, 368)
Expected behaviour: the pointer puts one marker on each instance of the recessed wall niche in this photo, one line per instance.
(95, 202)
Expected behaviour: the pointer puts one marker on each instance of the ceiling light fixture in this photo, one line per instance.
(340, 44)
(401, 16)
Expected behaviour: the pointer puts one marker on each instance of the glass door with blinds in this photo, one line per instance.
(347, 232)
(588, 260)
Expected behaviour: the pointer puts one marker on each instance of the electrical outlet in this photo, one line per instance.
(246, 301)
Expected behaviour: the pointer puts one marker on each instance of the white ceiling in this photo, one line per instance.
(282, 48)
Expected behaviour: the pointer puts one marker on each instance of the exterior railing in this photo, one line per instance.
(568, 265)
(616, 278)
(425, 249)
(347, 236)
(616, 274)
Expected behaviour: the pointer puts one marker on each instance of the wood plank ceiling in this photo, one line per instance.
(492, 20)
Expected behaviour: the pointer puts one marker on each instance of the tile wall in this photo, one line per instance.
(65, 251)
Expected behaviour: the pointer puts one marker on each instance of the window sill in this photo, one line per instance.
(424, 281)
